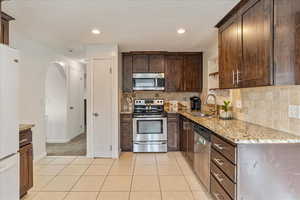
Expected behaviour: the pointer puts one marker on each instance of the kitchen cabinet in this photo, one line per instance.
(173, 132)
(126, 136)
(183, 70)
(184, 125)
(127, 73)
(4, 36)
(192, 73)
(256, 44)
(228, 54)
(287, 42)
(187, 140)
(156, 63)
(174, 73)
(140, 63)
(26, 162)
(259, 44)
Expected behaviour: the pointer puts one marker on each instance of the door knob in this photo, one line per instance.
(95, 114)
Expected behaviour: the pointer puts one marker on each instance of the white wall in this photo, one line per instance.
(210, 53)
(35, 60)
(104, 51)
(56, 104)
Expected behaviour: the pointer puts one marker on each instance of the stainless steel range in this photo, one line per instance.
(149, 126)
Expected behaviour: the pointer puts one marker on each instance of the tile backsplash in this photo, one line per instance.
(167, 96)
(266, 106)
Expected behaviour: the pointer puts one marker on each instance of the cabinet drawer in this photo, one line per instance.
(222, 179)
(25, 138)
(224, 148)
(227, 167)
(217, 191)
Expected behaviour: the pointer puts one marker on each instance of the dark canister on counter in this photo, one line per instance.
(195, 103)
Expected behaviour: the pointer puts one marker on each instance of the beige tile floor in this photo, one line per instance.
(153, 176)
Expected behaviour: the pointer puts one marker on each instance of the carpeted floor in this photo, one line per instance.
(76, 147)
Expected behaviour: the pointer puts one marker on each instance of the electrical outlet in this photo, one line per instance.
(238, 104)
(298, 116)
(293, 111)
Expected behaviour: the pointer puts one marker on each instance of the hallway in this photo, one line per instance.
(76, 147)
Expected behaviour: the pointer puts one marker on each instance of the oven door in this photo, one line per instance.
(149, 129)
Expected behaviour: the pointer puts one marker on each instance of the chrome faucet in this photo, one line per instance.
(214, 111)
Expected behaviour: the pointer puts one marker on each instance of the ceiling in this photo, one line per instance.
(132, 24)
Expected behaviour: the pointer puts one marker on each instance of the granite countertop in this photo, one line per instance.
(25, 127)
(240, 132)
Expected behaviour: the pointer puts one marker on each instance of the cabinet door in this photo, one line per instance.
(190, 142)
(26, 169)
(126, 133)
(4, 36)
(174, 73)
(140, 63)
(193, 73)
(157, 63)
(228, 53)
(173, 133)
(184, 134)
(257, 44)
(127, 73)
(287, 42)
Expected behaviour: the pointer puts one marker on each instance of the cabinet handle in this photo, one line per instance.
(218, 177)
(218, 196)
(219, 146)
(219, 161)
(238, 77)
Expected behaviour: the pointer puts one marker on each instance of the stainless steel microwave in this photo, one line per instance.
(148, 81)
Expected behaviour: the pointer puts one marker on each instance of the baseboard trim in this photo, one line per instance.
(102, 155)
(58, 140)
(39, 157)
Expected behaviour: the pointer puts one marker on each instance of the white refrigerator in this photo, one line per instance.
(9, 124)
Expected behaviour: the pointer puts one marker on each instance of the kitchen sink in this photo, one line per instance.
(200, 114)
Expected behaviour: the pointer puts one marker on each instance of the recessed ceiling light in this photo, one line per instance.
(181, 31)
(96, 31)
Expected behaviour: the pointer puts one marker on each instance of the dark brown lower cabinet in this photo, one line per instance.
(26, 169)
(173, 132)
(187, 140)
(126, 132)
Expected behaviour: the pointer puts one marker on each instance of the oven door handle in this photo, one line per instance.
(149, 119)
(150, 143)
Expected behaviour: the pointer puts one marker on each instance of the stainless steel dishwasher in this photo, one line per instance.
(202, 145)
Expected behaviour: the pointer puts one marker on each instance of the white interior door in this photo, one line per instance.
(76, 103)
(102, 107)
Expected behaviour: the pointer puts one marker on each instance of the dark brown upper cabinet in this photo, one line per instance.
(183, 70)
(259, 44)
(229, 60)
(140, 63)
(157, 63)
(4, 36)
(256, 44)
(287, 42)
(174, 73)
(127, 73)
(192, 73)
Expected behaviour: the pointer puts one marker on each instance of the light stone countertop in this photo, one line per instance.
(25, 127)
(240, 132)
